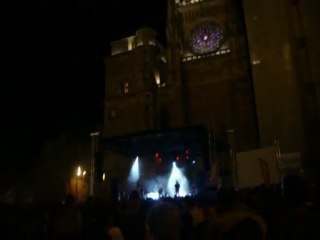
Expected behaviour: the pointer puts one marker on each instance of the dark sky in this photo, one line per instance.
(52, 70)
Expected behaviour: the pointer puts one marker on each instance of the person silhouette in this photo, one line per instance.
(177, 188)
(160, 191)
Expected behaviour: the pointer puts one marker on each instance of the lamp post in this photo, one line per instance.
(79, 173)
(77, 176)
(94, 138)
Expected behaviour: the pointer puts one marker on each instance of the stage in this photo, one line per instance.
(155, 160)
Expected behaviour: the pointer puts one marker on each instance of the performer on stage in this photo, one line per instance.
(177, 188)
(140, 189)
(160, 191)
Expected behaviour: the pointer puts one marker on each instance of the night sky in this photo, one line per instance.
(52, 69)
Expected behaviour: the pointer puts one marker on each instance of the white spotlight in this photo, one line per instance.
(177, 175)
(153, 195)
(135, 171)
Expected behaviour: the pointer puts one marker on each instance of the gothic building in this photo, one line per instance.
(209, 67)
(245, 71)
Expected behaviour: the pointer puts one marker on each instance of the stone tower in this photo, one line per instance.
(133, 76)
(209, 69)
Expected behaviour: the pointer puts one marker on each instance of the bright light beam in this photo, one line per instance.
(153, 195)
(177, 175)
(134, 172)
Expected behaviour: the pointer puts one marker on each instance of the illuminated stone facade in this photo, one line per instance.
(215, 81)
(210, 87)
(261, 81)
(133, 79)
(151, 88)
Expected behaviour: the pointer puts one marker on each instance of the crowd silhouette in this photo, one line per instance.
(287, 211)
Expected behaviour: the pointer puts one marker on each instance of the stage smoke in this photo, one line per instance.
(134, 172)
(177, 175)
(153, 195)
(153, 185)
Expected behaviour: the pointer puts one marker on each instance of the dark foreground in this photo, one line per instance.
(261, 213)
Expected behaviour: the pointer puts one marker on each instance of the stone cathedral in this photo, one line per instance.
(245, 71)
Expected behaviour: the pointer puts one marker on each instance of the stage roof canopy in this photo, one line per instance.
(173, 141)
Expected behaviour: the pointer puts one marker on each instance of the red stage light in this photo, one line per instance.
(158, 159)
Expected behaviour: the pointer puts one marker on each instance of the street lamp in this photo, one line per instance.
(83, 184)
(79, 173)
